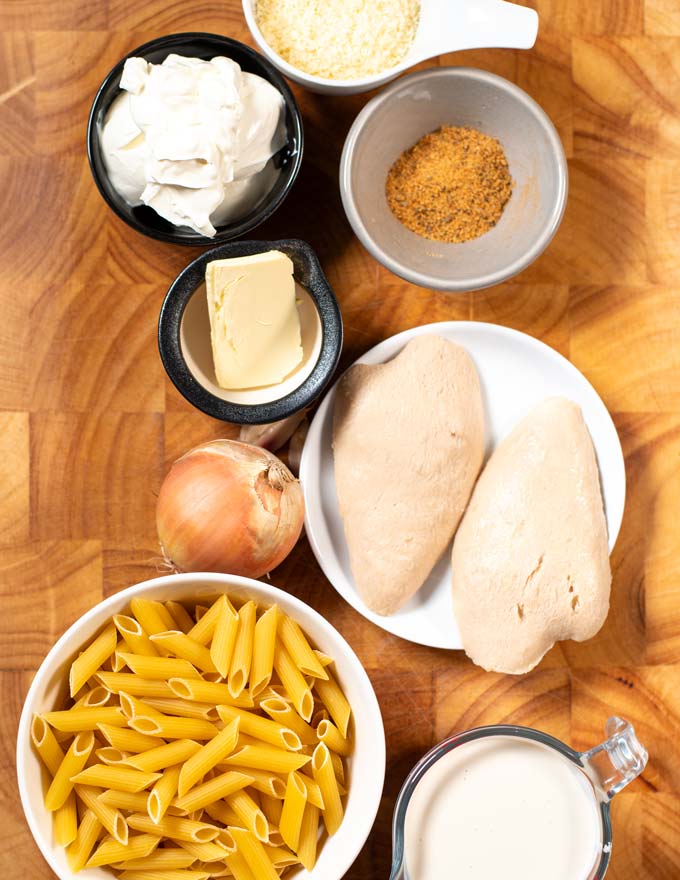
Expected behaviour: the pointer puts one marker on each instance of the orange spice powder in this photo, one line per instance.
(452, 185)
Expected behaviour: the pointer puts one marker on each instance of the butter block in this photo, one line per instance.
(254, 321)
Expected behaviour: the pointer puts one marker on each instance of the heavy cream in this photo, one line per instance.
(193, 139)
(503, 806)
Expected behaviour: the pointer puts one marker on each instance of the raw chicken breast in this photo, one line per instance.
(530, 559)
(408, 439)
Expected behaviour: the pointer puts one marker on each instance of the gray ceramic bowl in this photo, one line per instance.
(417, 104)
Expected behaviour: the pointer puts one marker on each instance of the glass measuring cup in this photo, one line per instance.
(609, 766)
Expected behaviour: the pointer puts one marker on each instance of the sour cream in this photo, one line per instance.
(193, 139)
(503, 807)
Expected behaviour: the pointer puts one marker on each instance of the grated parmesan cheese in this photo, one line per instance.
(339, 39)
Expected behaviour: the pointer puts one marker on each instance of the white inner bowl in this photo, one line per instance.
(366, 766)
(194, 340)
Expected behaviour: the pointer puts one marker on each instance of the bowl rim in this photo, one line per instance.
(228, 231)
(362, 84)
(172, 311)
(424, 279)
(234, 583)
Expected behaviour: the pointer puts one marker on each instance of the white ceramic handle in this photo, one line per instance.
(453, 25)
(495, 23)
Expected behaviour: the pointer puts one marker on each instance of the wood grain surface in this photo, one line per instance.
(89, 423)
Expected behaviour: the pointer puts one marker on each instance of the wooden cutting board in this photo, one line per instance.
(89, 423)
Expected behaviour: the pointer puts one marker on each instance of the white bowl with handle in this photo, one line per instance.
(444, 26)
(366, 766)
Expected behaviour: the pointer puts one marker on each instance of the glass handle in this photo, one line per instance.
(618, 760)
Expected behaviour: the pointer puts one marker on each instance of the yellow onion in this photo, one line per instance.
(229, 507)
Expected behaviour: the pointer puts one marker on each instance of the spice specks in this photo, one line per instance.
(452, 185)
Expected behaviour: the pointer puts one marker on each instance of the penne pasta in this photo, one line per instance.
(79, 851)
(125, 800)
(324, 659)
(175, 827)
(267, 783)
(206, 852)
(239, 669)
(183, 708)
(160, 668)
(152, 616)
(215, 789)
(111, 818)
(293, 681)
(249, 814)
(111, 756)
(283, 713)
(260, 728)
(85, 666)
(293, 808)
(134, 637)
(65, 821)
(271, 807)
(204, 759)
(46, 745)
(167, 859)
(264, 641)
(329, 734)
(170, 727)
(314, 795)
(164, 755)
(275, 838)
(180, 615)
(224, 636)
(117, 662)
(128, 740)
(116, 778)
(267, 758)
(133, 707)
(222, 813)
(332, 697)
(324, 776)
(98, 696)
(204, 628)
(273, 692)
(281, 856)
(338, 767)
(319, 716)
(295, 642)
(239, 867)
(187, 751)
(254, 853)
(74, 761)
(77, 720)
(163, 792)
(179, 874)
(133, 684)
(199, 611)
(208, 692)
(309, 836)
(110, 850)
(185, 648)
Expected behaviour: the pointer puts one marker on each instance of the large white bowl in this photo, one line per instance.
(366, 767)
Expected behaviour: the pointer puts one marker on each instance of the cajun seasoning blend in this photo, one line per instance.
(452, 185)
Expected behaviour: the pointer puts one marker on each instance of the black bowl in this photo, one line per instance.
(307, 271)
(207, 46)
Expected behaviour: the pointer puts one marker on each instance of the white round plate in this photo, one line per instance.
(516, 372)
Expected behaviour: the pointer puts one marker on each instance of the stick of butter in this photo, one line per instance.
(254, 321)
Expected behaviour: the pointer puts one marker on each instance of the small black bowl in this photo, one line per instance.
(174, 342)
(206, 46)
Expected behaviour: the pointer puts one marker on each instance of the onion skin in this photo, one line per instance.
(229, 507)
